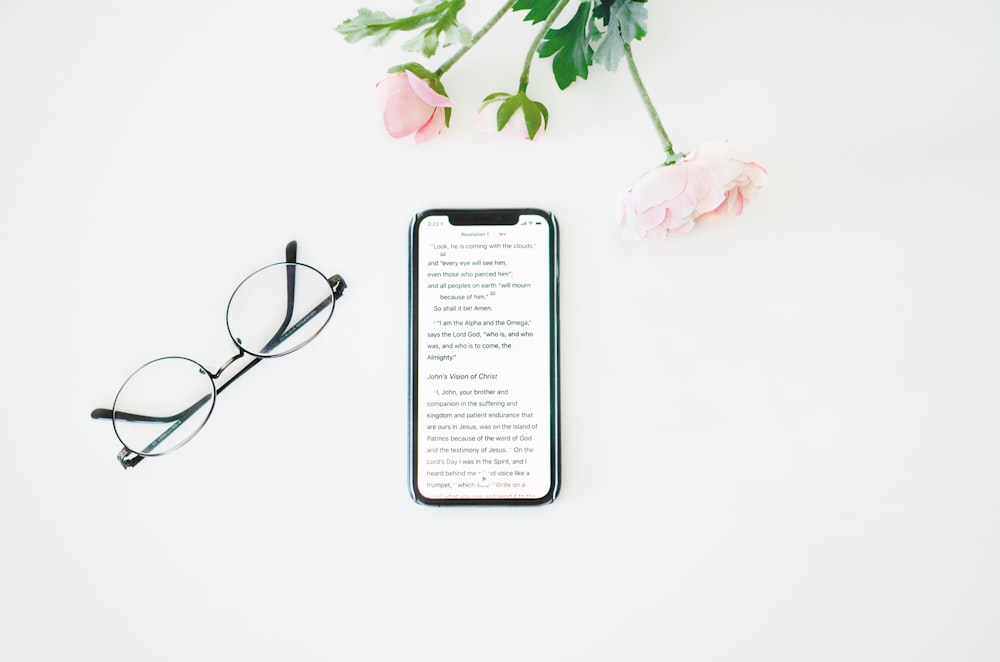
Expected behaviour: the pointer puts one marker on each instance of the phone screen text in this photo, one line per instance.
(483, 360)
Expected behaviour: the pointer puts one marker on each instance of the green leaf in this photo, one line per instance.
(446, 30)
(544, 111)
(538, 10)
(507, 110)
(367, 23)
(418, 70)
(602, 10)
(626, 22)
(437, 20)
(570, 47)
(495, 96)
(532, 117)
(425, 42)
(536, 115)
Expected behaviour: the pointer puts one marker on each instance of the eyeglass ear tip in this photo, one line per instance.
(101, 412)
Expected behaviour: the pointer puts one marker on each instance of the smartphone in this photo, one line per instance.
(484, 357)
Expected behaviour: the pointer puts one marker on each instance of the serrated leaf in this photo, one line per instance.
(570, 47)
(425, 43)
(538, 10)
(437, 19)
(626, 21)
(445, 31)
(457, 34)
(374, 24)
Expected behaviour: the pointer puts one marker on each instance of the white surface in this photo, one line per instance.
(781, 434)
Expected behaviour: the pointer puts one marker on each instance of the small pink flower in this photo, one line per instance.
(516, 126)
(712, 181)
(410, 106)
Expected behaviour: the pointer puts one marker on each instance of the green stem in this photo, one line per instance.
(668, 146)
(529, 58)
(450, 62)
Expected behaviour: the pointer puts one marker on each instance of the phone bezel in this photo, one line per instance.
(473, 217)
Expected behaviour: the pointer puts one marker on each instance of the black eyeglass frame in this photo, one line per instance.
(129, 457)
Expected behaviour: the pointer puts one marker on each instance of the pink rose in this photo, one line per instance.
(666, 201)
(410, 106)
(733, 173)
(712, 181)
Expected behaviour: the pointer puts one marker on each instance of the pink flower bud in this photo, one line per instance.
(516, 126)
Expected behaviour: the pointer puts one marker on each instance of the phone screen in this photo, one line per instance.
(484, 357)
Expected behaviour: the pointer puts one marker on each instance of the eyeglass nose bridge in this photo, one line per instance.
(228, 362)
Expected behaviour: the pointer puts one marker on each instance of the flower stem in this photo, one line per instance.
(529, 58)
(668, 146)
(457, 55)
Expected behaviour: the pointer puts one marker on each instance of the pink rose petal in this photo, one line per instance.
(433, 127)
(410, 107)
(390, 85)
(657, 185)
(715, 180)
(425, 93)
(404, 114)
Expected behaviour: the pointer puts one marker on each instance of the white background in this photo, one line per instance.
(780, 430)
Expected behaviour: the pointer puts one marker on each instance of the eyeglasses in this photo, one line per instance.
(167, 401)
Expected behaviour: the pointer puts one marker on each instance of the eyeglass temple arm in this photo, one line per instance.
(104, 412)
(337, 285)
(130, 458)
(291, 252)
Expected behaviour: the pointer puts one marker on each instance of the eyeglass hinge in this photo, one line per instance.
(338, 284)
(128, 459)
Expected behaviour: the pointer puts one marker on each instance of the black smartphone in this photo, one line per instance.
(484, 357)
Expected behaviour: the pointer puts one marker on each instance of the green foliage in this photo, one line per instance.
(536, 115)
(598, 32)
(625, 21)
(368, 23)
(437, 21)
(580, 43)
(538, 10)
(570, 47)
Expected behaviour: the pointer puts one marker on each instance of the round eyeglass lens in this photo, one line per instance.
(279, 308)
(162, 405)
